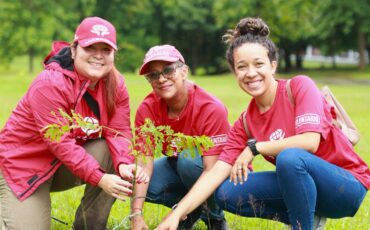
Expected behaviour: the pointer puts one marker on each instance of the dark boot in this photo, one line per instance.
(216, 224)
(190, 220)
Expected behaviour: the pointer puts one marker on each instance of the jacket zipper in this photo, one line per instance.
(79, 94)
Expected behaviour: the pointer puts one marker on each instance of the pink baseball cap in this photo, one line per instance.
(93, 30)
(161, 53)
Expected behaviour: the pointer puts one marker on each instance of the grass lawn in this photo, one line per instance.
(352, 89)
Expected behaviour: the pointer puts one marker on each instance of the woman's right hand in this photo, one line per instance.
(115, 186)
(170, 222)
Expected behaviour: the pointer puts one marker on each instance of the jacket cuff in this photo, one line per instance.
(96, 177)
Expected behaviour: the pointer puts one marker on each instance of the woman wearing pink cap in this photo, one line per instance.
(79, 77)
(187, 108)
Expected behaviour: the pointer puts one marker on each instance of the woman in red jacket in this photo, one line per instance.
(79, 77)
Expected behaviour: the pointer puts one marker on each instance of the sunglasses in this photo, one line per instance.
(168, 73)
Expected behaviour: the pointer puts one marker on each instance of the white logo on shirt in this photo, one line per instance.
(219, 139)
(277, 135)
(307, 118)
(100, 30)
(89, 130)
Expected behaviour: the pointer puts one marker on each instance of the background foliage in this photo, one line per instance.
(195, 27)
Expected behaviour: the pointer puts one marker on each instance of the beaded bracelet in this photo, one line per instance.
(132, 215)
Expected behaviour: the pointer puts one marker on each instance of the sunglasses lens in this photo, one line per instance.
(168, 70)
(153, 76)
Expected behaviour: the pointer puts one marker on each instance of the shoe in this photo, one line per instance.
(319, 223)
(191, 219)
(216, 224)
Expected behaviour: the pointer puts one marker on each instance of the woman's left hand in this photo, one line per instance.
(128, 171)
(239, 170)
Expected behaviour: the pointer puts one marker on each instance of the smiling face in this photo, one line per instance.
(169, 87)
(93, 62)
(253, 69)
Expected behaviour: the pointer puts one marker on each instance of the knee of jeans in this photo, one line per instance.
(188, 163)
(221, 197)
(288, 158)
(153, 194)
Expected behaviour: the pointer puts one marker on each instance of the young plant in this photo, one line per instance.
(148, 139)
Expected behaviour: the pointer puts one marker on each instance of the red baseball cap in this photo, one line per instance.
(93, 30)
(160, 53)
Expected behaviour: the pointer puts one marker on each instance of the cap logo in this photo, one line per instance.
(100, 30)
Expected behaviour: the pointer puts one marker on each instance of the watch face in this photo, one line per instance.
(251, 141)
(252, 146)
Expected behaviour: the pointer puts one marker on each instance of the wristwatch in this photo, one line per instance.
(252, 146)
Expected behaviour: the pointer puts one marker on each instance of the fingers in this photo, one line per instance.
(141, 176)
(115, 186)
(121, 197)
(118, 189)
(234, 174)
(128, 172)
(239, 173)
(245, 172)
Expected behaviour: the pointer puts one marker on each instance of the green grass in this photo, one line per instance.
(354, 95)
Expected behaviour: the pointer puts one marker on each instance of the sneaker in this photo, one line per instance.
(216, 224)
(319, 223)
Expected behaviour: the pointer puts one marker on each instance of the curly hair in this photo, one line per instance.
(249, 30)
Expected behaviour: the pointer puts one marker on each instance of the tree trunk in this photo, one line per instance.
(288, 63)
(361, 50)
(333, 52)
(299, 60)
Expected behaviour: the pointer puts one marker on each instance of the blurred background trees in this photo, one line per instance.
(195, 27)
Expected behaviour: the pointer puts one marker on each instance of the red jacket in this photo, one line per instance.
(27, 159)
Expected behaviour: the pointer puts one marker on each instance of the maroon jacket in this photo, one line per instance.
(27, 159)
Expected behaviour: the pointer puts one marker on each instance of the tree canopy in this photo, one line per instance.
(195, 27)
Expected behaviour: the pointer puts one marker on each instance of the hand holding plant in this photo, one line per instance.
(148, 140)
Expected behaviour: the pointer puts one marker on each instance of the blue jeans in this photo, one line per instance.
(173, 178)
(302, 186)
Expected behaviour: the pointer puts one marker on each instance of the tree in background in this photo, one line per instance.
(26, 29)
(290, 23)
(344, 25)
(190, 26)
(194, 26)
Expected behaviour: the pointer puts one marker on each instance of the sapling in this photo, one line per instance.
(148, 139)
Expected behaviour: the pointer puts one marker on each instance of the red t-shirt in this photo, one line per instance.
(310, 113)
(203, 114)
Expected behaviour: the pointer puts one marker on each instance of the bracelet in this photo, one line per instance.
(132, 215)
(174, 207)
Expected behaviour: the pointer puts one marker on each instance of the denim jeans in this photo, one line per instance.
(172, 178)
(302, 186)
